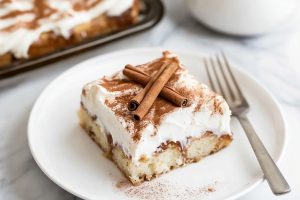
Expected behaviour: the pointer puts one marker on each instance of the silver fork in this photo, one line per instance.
(223, 82)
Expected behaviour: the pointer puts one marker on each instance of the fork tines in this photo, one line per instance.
(222, 80)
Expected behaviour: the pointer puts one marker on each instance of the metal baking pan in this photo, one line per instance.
(150, 14)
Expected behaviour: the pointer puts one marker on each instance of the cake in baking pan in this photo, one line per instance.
(34, 28)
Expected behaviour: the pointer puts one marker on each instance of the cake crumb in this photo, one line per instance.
(210, 189)
(123, 184)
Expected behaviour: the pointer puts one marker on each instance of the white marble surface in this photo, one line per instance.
(274, 59)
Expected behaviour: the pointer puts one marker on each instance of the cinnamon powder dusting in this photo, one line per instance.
(80, 5)
(123, 90)
(128, 89)
(40, 10)
(43, 10)
(165, 190)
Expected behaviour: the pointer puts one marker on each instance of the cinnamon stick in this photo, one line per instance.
(135, 102)
(143, 78)
(160, 79)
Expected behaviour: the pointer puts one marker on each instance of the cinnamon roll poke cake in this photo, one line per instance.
(33, 28)
(154, 117)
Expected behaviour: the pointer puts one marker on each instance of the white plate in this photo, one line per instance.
(68, 157)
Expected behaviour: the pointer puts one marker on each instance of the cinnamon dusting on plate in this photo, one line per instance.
(161, 189)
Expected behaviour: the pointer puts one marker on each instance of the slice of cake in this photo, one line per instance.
(172, 133)
(34, 28)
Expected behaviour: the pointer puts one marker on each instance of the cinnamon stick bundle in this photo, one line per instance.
(143, 78)
(151, 92)
(135, 102)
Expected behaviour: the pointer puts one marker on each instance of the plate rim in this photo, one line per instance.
(199, 53)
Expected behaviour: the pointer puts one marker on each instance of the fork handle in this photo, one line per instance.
(276, 181)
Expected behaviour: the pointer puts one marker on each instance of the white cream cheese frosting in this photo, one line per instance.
(176, 125)
(18, 40)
